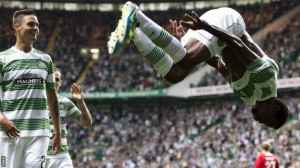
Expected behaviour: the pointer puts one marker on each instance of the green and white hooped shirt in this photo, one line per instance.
(67, 110)
(258, 83)
(24, 79)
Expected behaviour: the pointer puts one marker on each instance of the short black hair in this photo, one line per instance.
(18, 15)
(282, 114)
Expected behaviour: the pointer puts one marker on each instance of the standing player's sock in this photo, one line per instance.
(160, 60)
(161, 37)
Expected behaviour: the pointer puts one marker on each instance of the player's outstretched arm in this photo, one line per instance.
(54, 112)
(77, 93)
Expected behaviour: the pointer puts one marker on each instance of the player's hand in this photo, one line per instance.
(76, 92)
(195, 22)
(56, 144)
(177, 30)
(9, 128)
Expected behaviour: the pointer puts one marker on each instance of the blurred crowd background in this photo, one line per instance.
(163, 132)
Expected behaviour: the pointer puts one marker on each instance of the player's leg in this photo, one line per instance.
(131, 17)
(160, 37)
(124, 31)
(61, 162)
(35, 151)
(187, 56)
(197, 52)
(159, 59)
(51, 162)
(177, 74)
(65, 162)
(10, 154)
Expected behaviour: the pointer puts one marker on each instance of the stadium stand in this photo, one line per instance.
(204, 132)
(208, 133)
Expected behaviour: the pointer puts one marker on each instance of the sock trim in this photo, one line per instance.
(155, 55)
(163, 40)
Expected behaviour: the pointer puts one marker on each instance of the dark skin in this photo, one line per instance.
(238, 53)
(196, 53)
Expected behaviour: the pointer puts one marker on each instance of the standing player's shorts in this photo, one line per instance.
(225, 18)
(55, 162)
(28, 152)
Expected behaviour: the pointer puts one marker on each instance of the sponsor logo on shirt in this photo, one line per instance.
(29, 81)
(41, 65)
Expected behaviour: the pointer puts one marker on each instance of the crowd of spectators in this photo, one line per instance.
(63, 35)
(284, 46)
(211, 133)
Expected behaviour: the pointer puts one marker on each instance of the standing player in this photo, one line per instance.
(175, 60)
(67, 110)
(265, 158)
(27, 84)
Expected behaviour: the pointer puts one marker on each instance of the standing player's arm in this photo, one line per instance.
(86, 118)
(54, 112)
(8, 126)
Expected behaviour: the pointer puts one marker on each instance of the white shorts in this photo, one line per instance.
(61, 162)
(225, 18)
(28, 152)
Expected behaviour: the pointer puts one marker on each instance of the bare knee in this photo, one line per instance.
(177, 74)
(174, 77)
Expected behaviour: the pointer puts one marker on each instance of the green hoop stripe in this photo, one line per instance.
(24, 104)
(30, 124)
(155, 55)
(163, 40)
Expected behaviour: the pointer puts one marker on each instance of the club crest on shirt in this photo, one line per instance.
(41, 65)
(61, 106)
(220, 43)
